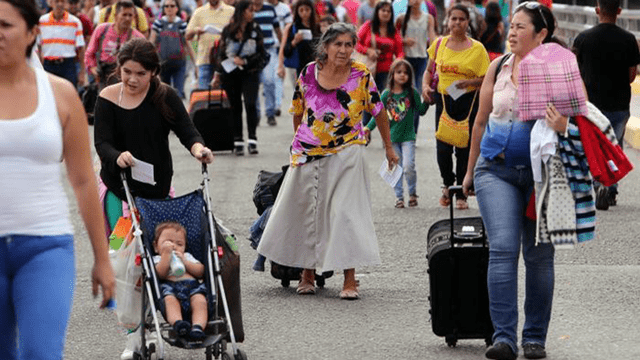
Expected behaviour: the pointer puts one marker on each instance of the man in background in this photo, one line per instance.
(608, 57)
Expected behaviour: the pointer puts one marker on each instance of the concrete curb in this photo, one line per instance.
(632, 133)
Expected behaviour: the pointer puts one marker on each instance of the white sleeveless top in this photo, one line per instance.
(418, 30)
(32, 199)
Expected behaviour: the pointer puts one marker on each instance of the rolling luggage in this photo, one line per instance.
(211, 113)
(458, 257)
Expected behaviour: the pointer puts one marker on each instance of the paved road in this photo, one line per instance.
(597, 293)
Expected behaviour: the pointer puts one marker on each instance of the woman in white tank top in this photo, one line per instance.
(417, 29)
(42, 123)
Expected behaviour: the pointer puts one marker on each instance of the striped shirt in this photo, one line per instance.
(60, 38)
(267, 18)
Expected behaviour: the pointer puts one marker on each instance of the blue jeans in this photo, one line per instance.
(205, 74)
(503, 193)
(268, 79)
(65, 68)
(407, 153)
(419, 66)
(173, 74)
(618, 120)
(37, 279)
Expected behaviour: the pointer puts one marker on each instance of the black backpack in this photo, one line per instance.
(267, 188)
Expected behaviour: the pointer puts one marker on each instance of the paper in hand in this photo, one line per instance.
(143, 172)
(390, 176)
(212, 30)
(454, 91)
(228, 65)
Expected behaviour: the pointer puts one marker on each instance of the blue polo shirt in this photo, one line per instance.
(268, 21)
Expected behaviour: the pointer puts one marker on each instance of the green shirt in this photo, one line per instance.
(400, 114)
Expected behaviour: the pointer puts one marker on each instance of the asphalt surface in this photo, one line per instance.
(597, 289)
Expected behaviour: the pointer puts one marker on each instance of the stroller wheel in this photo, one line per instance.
(285, 282)
(240, 355)
(225, 356)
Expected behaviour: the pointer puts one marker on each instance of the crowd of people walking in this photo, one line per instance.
(138, 54)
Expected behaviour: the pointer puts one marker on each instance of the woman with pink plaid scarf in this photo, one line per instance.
(500, 163)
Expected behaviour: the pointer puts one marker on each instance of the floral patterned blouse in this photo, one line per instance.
(331, 119)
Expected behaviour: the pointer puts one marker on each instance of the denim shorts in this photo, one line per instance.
(183, 291)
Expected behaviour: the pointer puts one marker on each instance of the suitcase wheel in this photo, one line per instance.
(488, 341)
(451, 340)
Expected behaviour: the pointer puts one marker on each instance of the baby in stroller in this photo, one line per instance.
(181, 292)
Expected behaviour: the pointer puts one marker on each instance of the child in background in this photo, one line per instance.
(401, 100)
(181, 292)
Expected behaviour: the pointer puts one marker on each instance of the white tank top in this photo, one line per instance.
(32, 199)
(418, 30)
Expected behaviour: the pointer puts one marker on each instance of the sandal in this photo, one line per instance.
(306, 286)
(445, 200)
(349, 294)
(197, 333)
(181, 327)
(413, 201)
(400, 204)
(461, 204)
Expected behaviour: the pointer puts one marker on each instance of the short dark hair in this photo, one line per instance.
(30, 14)
(609, 7)
(124, 4)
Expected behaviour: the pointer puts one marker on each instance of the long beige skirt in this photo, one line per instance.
(322, 216)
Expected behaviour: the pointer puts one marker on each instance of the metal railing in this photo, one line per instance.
(574, 19)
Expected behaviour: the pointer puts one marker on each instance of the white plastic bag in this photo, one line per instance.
(128, 285)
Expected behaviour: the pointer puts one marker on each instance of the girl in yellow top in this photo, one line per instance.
(461, 62)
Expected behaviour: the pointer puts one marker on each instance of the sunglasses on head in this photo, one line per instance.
(532, 5)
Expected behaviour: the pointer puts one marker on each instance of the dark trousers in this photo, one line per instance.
(65, 68)
(239, 84)
(458, 110)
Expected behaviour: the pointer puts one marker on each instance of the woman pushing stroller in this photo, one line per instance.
(132, 122)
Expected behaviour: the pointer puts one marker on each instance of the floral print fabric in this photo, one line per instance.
(331, 119)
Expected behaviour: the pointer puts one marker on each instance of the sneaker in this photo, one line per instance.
(500, 351)
(534, 351)
(238, 148)
(271, 120)
(252, 146)
(602, 198)
(182, 327)
(197, 333)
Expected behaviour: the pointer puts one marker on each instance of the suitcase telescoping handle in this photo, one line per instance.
(209, 97)
(453, 190)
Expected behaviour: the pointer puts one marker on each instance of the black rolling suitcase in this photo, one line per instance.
(458, 257)
(211, 113)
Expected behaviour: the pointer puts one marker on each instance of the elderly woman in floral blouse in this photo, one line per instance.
(322, 217)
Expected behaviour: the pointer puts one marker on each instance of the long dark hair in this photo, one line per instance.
(407, 16)
(238, 18)
(315, 29)
(492, 14)
(30, 14)
(375, 23)
(408, 86)
(144, 52)
(548, 22)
